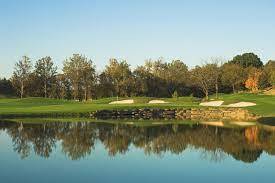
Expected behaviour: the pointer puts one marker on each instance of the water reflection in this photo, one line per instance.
(79, 139)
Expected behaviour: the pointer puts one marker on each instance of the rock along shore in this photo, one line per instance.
(182, 114)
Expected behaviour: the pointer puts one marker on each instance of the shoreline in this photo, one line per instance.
(186, 113)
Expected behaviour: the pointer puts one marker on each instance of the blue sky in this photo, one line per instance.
(192, 31)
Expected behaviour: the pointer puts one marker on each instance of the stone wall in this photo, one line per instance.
(182, 114)
(216, 113)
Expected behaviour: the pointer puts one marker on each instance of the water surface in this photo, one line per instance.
(103, 152)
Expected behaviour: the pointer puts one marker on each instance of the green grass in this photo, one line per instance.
(35, 106)
(45, 106)
(265, 103)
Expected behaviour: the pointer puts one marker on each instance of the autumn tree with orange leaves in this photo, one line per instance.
(252, 82)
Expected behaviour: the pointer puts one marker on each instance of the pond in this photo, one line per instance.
(126, 152)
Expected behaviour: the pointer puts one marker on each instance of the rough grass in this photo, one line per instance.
(35, 106)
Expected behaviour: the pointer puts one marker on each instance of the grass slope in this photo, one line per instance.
(265, 103)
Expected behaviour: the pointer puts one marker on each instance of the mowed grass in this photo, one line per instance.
(42, 105)
(265, 104)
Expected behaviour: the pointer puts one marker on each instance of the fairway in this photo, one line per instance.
(41, 105)
(28, 106)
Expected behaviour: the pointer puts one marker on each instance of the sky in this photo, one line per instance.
(193, 31)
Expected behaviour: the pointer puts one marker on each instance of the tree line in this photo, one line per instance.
(79, 79)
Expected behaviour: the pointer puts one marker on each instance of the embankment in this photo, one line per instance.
(181, 114)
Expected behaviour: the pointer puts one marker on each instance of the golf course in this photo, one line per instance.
(12, 107)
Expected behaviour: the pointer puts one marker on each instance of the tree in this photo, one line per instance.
(247, 59)
(232, 75)
(215, 71)
(62, 88)
(6, 87)
(157, 86)
(252, 81)
(176, 75)
(269, 70)
(88, 78)
(104, 86)
(21, 74)
(46, 72)
(120, 75)
(34, 86)
(81, 74)
(272, 79)
(141, 81)
(204, 78)
(166, 77)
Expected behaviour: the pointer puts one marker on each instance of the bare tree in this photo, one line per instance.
(205, 78)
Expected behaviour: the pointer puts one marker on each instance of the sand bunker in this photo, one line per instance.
(123, 102)
(243, 123)
(212, 103)
(157, 102)
(212, 123)
(242, 104)
(270, 92)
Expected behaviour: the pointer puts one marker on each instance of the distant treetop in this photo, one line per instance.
(270, 63)
(247, 60)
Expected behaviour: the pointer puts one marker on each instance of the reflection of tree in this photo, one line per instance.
(78, 139)
(20, 140)
(252, 134)
(214, 155)
(248, 156)
(116, 140)
(175, 143)
(43, 139)
(267, 141)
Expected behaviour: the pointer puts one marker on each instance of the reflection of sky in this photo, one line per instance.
(134, 166)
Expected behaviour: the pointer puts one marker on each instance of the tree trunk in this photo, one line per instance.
(45, 89)
(233, 87)
(217, 90)
(118, 91)
(85, 94)
(75, 91)
(206, 94)
(22, 90)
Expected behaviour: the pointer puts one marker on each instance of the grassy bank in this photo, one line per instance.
(265, 103)
(36, 106)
